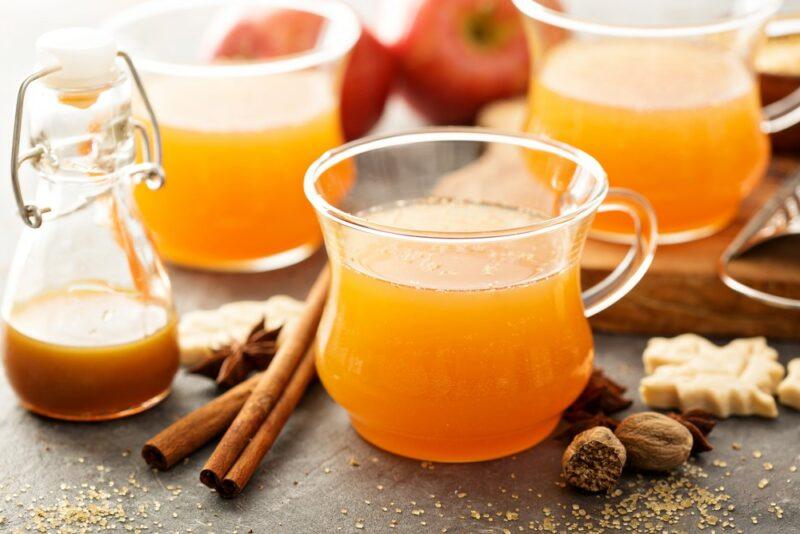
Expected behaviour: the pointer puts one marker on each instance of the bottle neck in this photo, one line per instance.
(83, 132)
(64, 197)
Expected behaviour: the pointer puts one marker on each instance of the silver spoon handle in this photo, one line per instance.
(780, 216)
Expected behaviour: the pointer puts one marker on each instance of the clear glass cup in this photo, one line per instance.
(455, 328)
(237, 137)
(663, 93)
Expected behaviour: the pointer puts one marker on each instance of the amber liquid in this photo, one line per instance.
(90, 353)
(461, 353)
(235, 153)
(676, 122)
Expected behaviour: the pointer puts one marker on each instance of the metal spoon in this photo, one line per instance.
(772, 235)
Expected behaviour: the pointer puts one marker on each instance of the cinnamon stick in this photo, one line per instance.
(269, 387)
(197, 428)
(244, 468)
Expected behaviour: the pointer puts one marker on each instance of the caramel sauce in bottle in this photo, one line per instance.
(90, 330)
(90, 352)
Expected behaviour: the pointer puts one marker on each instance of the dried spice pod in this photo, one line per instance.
(232, 363)
(601, 394)
(654, 442)
(699, 423)
(582, 421)
(594, 460)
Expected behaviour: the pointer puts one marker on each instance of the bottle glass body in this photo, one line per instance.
(90, 331)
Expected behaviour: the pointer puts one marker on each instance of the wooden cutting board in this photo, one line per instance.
(682, 292)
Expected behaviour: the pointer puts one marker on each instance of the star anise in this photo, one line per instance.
(233, 362)
(581, 421)
(700, 423)
(601, 395)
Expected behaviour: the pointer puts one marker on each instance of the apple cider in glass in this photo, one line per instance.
(686, 135)
(454, 346)
(235, 192)
(248, 96)
(664, 94)
(455, 327)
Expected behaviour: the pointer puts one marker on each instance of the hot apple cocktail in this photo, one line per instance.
(455, 327)
(675, 121)
(234, 193)
(246, 99)
(454, 353)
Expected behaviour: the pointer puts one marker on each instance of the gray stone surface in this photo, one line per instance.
(307, 480)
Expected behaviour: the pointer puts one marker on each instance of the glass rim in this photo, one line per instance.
(536, 10)
(363, 145)
(328, 53)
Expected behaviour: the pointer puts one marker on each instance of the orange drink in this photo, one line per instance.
(238, 132)
(234, 192)
(664, 94)
(454, 353)
(685, 133)
(455, 328)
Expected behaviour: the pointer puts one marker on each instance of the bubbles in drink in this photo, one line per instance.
(242, 105)
(677, 122)
(476, 260)
(669, 74)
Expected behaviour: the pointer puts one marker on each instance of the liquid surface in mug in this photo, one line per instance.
(235, 153)
(89, 352)
(676, 122)
(454, 352)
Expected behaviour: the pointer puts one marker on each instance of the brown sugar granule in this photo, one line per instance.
(674, 502)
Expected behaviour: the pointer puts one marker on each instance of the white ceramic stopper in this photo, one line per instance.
(85, 55)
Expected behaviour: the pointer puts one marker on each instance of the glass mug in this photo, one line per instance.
(664, 95)
(237, 137)
(455, 328)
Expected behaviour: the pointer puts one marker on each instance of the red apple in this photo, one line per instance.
(367, 84)
(279, 33)
(461, 54)
(368, 78)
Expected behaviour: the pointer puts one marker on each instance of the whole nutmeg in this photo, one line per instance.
(654, 442)
(594, 460)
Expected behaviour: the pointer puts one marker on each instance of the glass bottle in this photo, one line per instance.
(90, 329)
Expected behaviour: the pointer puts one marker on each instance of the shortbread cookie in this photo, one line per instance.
(789, 389)
(199, 332)
(690, 372)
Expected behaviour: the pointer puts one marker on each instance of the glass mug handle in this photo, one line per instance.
(639, 257)
(783, 113)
